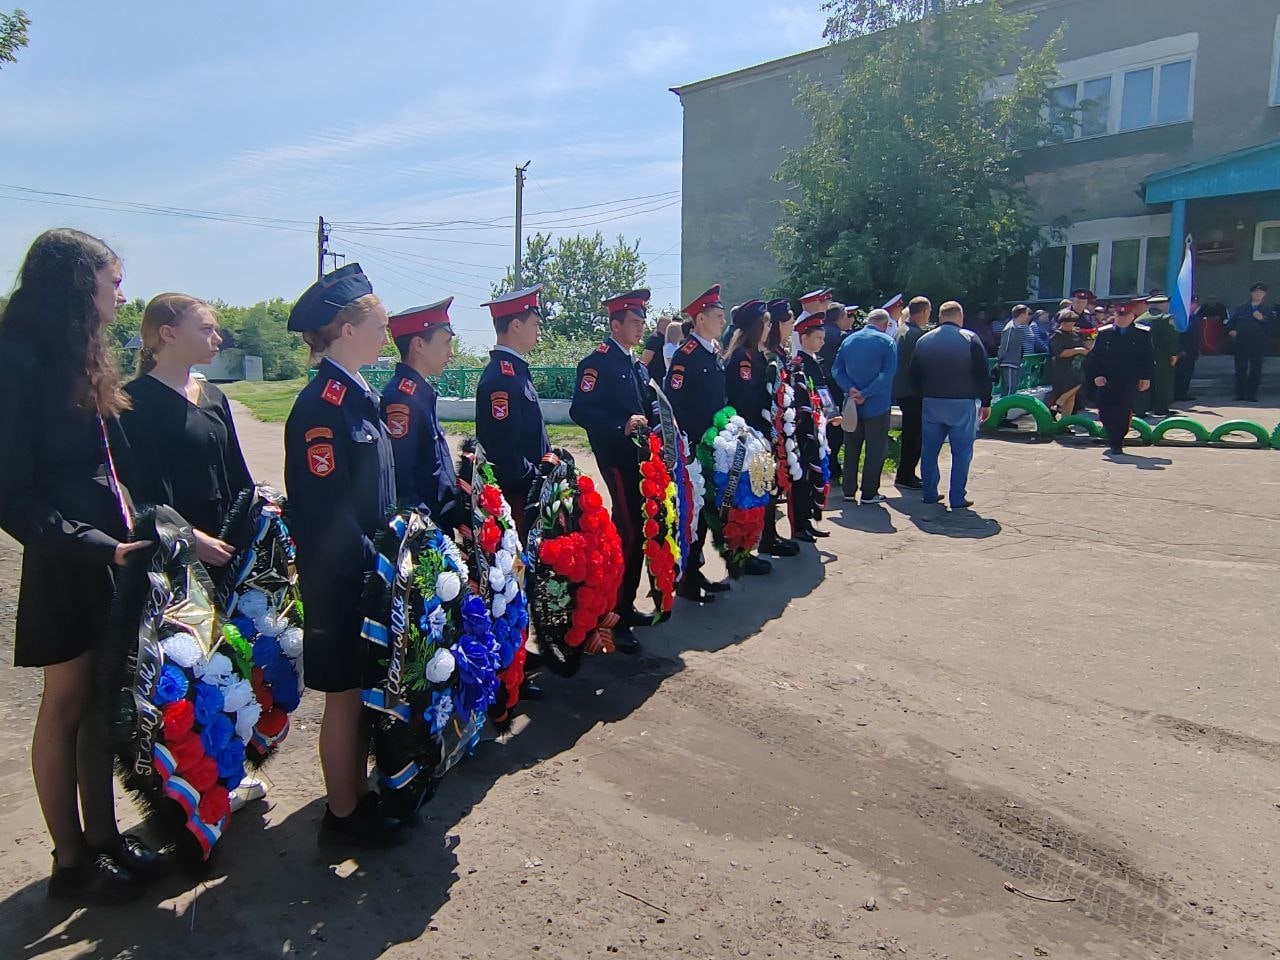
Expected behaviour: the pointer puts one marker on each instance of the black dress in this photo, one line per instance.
(185, 454)
(57, 501)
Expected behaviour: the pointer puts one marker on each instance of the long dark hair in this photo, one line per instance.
(774, 342)
(53, 309)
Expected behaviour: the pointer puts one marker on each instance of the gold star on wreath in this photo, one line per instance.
(194, 613)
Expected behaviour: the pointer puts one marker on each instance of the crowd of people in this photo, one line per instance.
(84, 450)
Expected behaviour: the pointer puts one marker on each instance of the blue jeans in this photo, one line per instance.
(955, 421)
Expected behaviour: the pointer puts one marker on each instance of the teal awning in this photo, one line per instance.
(1251, 170)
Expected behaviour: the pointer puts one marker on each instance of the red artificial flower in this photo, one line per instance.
(261, 692)
(215, 804)
(203, 775)
(179, 718)
(490, 535)
(650, 528)
(187, 752)
(272, 722)
(491, 499)
(586, 484)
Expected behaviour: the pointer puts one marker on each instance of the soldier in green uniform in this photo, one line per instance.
(1164, 338)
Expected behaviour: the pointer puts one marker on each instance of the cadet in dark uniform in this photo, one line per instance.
(611, 402)
(806, 373)
(1120, 365)
(777, 350)
(340, 478)
(424, 467)
(695, 387)
(1188, 353)
(1164, 344)
(1250, 327)
(509, 422)
(747, 389)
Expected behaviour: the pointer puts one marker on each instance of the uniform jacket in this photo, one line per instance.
(1122, 357)
(1250, 329)
(424, 466)
(509, 424)
(747, 389)
(611, 387)
(695, 387)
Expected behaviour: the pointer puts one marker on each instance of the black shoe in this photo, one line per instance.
(533, 661)
(691, 591)
(714, 586)
(531, 691)
(634, 618)
(624, 641)
(814, 531)
(757, 567)
(139, 859)
(781, 548)
(365, 827)
(931, 500)
(98, 882)
(804, 536)
(962, 505)
(911, 483)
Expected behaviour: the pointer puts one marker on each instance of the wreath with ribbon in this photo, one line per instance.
(262, 621)
(662, 553)
(782, 415)
(489, 538)
(811, 435)
(691, 490)
(742, 470)
(180, 705)
(575, 558)
(432, 675)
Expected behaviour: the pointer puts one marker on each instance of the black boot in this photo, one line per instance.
(98, 882)
(757, 567)
(624, 641)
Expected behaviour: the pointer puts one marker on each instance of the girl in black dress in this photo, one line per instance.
(61, 499)
(185, 450)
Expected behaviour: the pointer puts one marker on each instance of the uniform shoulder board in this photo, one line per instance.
(407, 386)
(1108, 326)
(690, 345)
(507, 368)
(603, 348)
(333, 392)
(1143, 326)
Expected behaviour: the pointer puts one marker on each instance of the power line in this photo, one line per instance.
(571, 223)
(500, 222)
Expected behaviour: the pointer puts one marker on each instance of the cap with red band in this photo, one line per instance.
(894, 301)
(515, 303)
(816, 296)
(810, 321)
(705, 302)
(633, 300)
(419, 319)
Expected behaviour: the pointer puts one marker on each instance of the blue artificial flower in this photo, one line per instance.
(284, 684)
(216, 735)
(246, 627)
(266, 650)
(475, 614)
(439, 711)
(172, 685)
(208, 703)
(230, 760)
(477, 678)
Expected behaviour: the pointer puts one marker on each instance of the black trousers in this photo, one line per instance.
(912, 417)
(835, 440)
(1249, 369)
(1182, 375)
(623, 481)
(1115, 409)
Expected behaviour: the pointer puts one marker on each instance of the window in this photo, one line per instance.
(1125, 258)
(1084, 266)
(1175, 92)
(1275, 67)
(1052, 272)
(1156, 95)
(1157, 262)
(1095, 110)
(1063, 100)
(1266, 240)
(1138, 88)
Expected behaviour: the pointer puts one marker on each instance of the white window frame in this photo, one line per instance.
(1104, 233)
(1116, 63)
(1275, 68)
(1257, 239)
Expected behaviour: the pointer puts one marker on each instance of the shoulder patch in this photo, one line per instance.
(320, 459)
(588, 381)
(603, 348)
(689, 346)
(499, 406)
(744, 369)
(407, 386)
(676, 380)
(507, 368)
(317, 433)
(333, 392)
(398, 420)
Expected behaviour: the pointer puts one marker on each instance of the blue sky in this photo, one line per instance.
(388, 112)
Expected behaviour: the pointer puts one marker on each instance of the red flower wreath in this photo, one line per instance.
(662, 563)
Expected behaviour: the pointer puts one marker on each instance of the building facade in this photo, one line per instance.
(1178, 133)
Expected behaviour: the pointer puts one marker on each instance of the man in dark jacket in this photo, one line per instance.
(1250, 327)
(1188, 352)
(907, 394)
(949, 367)
(1121, 365)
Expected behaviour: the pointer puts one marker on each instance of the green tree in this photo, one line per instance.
(13, 34)
(853, 18)
(910, 179)
(262, 330)
(577, 274)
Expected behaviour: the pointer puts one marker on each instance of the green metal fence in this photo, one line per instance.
(1036, 371)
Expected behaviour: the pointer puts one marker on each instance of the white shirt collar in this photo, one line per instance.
(503, 347)
(709, 344)
(354, 376)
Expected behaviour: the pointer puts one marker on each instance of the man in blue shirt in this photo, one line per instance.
(1250, 328)
(864, 367)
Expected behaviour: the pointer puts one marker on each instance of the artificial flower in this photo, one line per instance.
(214, 806)
(178, 719)
(246, 719)
(291, 642)
(440, 667)
(171, 685)
(253, 604)
(182, 648)
(208, 703)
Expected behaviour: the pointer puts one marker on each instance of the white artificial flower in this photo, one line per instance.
(511, 590)
(448, 586)
(440, 667)
(182, 649)
(271, 625)
(510, 541)
(435, 622)
(505, 560)
(498, 607)
(291, 642)
(216, 670)
(237, 696)
(246, 719)
(253, 604)
(497, 579)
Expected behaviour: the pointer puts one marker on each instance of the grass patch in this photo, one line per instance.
(560, 434)
(269, 400)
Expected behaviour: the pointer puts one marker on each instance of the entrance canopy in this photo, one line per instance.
(1251, 170)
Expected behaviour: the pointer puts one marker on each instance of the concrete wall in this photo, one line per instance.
(1233, 221)
(735, 128)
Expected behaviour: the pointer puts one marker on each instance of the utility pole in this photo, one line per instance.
(520, 171)
(322, 238)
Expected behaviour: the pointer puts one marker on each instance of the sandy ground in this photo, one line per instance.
(1071, 689)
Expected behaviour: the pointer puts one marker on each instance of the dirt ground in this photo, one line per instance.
(1069, 692)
